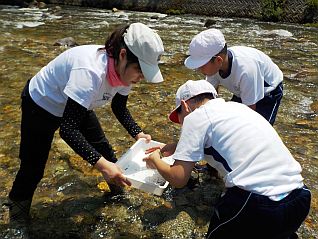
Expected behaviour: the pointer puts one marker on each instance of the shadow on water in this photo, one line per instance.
(65, 219)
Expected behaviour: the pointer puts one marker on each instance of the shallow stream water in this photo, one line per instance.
(72, 200)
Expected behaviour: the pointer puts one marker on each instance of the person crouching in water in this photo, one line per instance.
(63, 95)
(265, 196)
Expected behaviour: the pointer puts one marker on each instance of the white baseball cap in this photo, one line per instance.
(203, 47)
(187, 91)
(144, 43)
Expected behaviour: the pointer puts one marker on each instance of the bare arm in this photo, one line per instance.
(253, 107)
(111, 172)
(177, 174)
(166, 150)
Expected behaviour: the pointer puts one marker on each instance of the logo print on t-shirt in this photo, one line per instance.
(107, 96)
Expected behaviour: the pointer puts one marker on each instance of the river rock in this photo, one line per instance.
(41, 5)
(67, 41)
(209, 22)
(56, 9)
(180, 227)
(314, 106)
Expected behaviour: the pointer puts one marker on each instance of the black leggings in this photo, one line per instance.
(37, 131)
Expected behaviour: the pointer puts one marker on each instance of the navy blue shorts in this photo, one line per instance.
(242, 214)
(268, 106)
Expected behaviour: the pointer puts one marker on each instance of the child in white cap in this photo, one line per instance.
(253, 78)
(265, 196)
(64, 93)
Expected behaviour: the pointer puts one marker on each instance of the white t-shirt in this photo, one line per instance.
(78, 73)
(250, 68)
(241, 145)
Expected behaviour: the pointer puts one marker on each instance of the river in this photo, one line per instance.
(72, 200)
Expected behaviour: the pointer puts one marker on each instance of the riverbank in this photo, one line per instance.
(293, 11)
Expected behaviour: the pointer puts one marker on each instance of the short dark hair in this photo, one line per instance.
(201, 97)
(198, 99)
(222, 52)
(115, 42)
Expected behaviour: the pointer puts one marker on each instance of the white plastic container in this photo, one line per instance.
(134, 168)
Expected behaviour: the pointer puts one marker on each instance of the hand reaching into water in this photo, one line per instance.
(112, 172)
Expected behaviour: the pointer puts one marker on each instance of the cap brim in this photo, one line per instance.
(151, 73)
(174, 116)
(193, 63)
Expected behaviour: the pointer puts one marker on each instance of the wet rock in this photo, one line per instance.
(41, 5)
(119, 220)
(67, 41)
(103, 186)
(180, 227)
(277, 32)
(210, 194)
(36, 4)
(56, 9)
(120, 213)
(314, 106)
(308, 123)
(156, 215)
(181, 201)
(135, 201)
(168, 205)
(209, 22)
(175, 59)
(33, 4)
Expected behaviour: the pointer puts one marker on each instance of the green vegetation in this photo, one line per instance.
(311, 24)
(175, 12)
(311, 12)
(312, 3)
(275, 10)
(272, 10)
